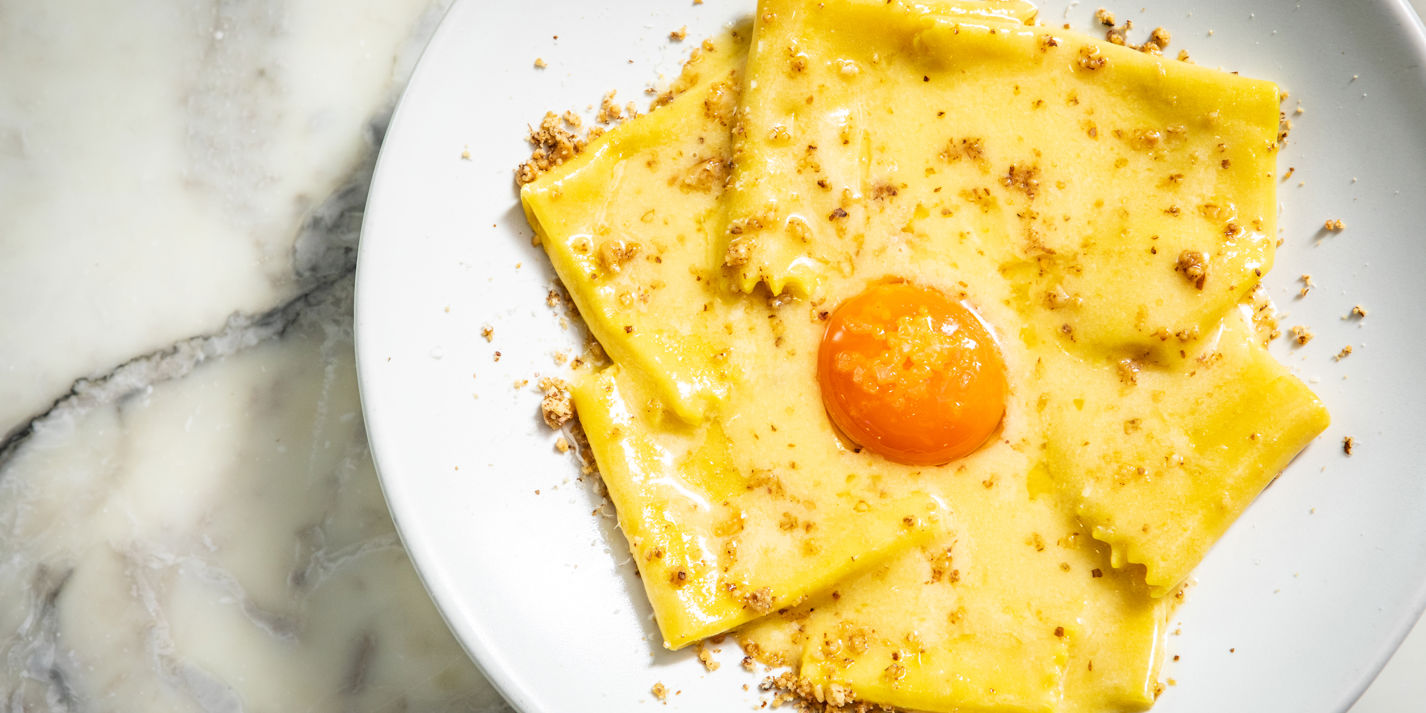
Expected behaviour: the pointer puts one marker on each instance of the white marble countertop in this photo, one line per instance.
(189, 516)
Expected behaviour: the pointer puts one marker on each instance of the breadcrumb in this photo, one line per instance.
(705, 657)
(1334, 225)
(557, 408)
(810, 697)
(540, 63)
(759, 600)
(660, 692)
(679, 35)
(554, 144)
(1194, 267)
(488, 332)
(609, 112)
(1358, 311)
(1346, 352)
(1348, 444)
(1301, 335)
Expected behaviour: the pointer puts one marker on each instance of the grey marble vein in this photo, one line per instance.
(199, 527)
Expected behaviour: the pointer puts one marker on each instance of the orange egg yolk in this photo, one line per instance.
(911, 374)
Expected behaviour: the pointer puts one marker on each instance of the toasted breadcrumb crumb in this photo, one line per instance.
(557, 408)
(609, 112)
(554, 144)
(705, 657)
(759, 600)
(1160, 38)
(488, 332)
(679, 35)
(1090, 58)
(1306, 285)
(1301, 335)
(1358, 311)
(1334, 225)
(660, 692)
(1104, 16)
(465, 154)
(1194, 267)
(540, 63)
(562, 444)
(1348, 444)
(809, 697)
(1346, 352)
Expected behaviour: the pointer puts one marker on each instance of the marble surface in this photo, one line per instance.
(189, 516)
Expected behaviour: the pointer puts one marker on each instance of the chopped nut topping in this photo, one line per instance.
(740, 251)
(556, 407)
(1090, 59)
(759, 600)
(554, 144)
(609, 112)
(614, 254)
(1159, 37)
(1194, 267)
(1025, 179)
(705, 657)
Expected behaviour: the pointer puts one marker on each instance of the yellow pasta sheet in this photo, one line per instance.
(727, 518)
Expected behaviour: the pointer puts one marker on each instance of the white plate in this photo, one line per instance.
(1295, 610)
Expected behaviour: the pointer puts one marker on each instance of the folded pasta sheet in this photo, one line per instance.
(727, 520)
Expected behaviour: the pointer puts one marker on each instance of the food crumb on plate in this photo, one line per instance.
(705, 657)
(557, 408)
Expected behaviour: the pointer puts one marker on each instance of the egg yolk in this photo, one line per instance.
(911, 374)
